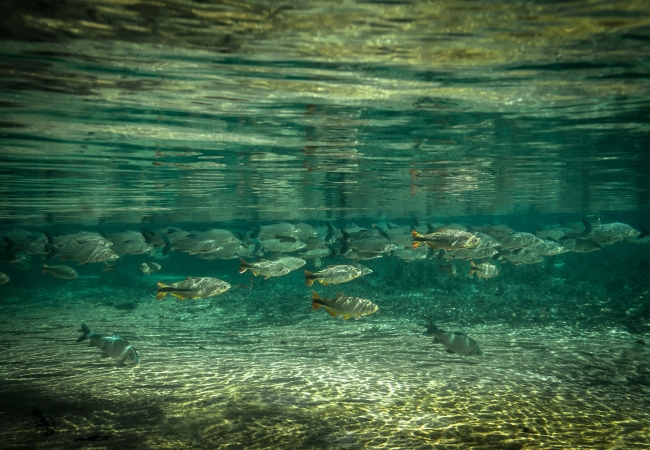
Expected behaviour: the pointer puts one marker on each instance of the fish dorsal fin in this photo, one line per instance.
(459, 333)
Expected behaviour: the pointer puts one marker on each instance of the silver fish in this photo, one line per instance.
(580, 245)
(519, 240)
(150, 268)
(278, 229)
(136, 247)
(497, 231)
(221, 236)
(88, 252)
(547, 248)
(124, 236)
(195, 245)
(483, 270)
(609, 232)
(65, 272)
(519, 256)
(79, 238)
(31, 243)
(283, 245)
(336, 274)
(112, 346)
(163, 237)
(411, 254)
(193, 287)
(264, 268)
(305, 231)
(345, 306)
(471, 253)
(455, 342)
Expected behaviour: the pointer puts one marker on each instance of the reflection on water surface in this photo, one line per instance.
(202, 111)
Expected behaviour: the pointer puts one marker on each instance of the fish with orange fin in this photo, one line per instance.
(446, 238)
(345, 306)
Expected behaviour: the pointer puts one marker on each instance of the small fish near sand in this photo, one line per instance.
(65, 272)
(345, 306)
(455, 342)
(115, 347)
(193, 287)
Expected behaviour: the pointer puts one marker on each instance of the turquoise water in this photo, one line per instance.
(373, 118)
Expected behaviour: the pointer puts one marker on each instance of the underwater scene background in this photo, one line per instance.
(405, 224)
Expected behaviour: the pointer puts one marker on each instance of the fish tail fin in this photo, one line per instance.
(161, 294)
(345, 242)
(51, 249)
(317, 302)
(415, 235)
(243, 265)
(587, 225)
(383, 233)
(86, 332)
(147, 235)
(330, 232)
(10, 243)
(473, 268)
(309, 278)
(257, 229)
(168, 245)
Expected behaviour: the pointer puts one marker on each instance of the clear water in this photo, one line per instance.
(120, 114)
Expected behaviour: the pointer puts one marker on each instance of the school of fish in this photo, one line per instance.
(275, 250)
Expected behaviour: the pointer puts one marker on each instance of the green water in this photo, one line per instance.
(123, 115)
